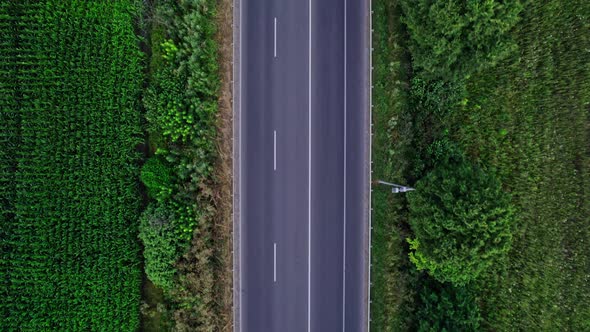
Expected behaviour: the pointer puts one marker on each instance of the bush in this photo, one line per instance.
(157, 177)
(444, 307)
(165, 110)
(181, 101)
(461, 220)
(452, 39)
(159, 240)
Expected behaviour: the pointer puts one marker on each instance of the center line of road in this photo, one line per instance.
(309, 178)
(275, 151)
(274, 272)
(275, 43)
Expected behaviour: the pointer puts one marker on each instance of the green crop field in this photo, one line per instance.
(533, 125)
(70, 77)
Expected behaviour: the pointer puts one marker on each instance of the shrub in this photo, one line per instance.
(452, 39)
(159, 240)
(194, 29)
(187, 214)
(168, 50)
(157, 177)
(444, 307)
(461, 220)
(165, 109)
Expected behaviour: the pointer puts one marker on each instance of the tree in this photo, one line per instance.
(454, 38)
(461, 220)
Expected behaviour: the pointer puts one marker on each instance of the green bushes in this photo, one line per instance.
(459, 215)
(181, 108)
(181, 101)
(444, 307)
(160, 242)
(165, 108)
(453, 39)
(70, 77)
(461, 221)
(181, 104)
(157, 177)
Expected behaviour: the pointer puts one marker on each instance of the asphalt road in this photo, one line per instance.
(303, 127)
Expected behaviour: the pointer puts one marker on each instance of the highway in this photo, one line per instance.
(301, 165)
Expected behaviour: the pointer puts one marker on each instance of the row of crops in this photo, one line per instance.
(70, 75)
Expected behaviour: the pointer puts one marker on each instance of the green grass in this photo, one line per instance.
(391, 294)
(70, 80)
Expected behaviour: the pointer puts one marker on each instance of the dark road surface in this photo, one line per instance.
(303, 169)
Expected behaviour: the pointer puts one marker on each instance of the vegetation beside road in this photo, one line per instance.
(182, 249)
(181, 105)
(518, 109)
(70, 80)
(392, 293)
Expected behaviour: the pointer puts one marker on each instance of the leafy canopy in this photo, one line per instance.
(461, 220)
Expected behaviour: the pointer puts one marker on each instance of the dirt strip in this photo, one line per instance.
(223, 224)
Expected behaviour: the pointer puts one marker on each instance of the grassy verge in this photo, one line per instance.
(391, 293)
(223, 196)
(186, 228)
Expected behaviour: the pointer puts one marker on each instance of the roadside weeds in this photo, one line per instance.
(223, 196)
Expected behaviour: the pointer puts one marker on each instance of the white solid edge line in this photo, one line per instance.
(274, 272)
(309, 182)
(233, 170)
(275, 38)
(344, 198)
(240, 173)
(275, 150)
